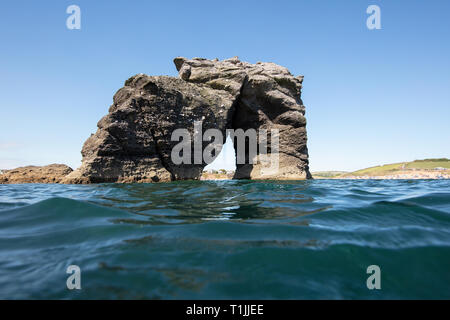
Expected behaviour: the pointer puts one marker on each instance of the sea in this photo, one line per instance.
(235, 239)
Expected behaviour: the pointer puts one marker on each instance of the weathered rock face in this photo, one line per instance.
(53, 173)
(133, 142)
(267, 97)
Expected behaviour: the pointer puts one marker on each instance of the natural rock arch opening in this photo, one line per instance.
(226, 159)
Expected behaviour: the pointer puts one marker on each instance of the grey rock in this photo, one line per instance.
(133, 141)
(267, 96)
(53, 173)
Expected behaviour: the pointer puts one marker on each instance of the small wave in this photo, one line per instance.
(55, 214)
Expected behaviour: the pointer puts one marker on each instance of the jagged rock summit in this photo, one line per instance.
(133, 141)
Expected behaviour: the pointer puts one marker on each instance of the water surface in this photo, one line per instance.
(227, 239)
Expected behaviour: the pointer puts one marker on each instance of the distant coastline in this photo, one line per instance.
(418, 169)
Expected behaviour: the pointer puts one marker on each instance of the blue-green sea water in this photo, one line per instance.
(227, 240)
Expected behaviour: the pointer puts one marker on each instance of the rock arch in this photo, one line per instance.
(133, 141)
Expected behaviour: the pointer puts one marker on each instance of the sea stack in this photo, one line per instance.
(133, 141)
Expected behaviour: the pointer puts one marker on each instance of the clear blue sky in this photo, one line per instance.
(371, 97)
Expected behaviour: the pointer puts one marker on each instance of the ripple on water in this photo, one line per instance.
(226, 239)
